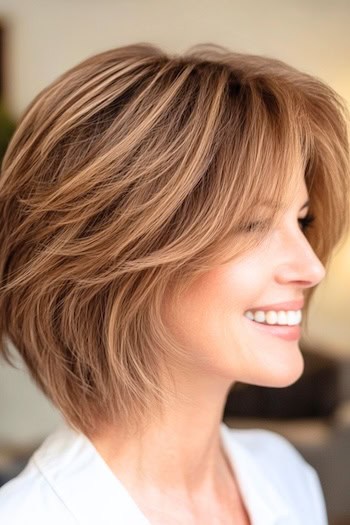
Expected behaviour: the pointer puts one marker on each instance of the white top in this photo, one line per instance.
(66, 481)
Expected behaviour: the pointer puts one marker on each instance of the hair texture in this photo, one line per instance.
(128, 177)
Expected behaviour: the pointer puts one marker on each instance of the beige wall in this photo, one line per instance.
(48, 36)
(45, 37)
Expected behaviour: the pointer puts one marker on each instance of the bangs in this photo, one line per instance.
(264, 144)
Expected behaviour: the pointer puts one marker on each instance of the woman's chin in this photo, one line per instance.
(284, 373)
(279, 368)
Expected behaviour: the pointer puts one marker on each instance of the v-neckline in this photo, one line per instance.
(227, 449)
(89, 488)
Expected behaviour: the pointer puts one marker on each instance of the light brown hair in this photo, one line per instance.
(130, 175)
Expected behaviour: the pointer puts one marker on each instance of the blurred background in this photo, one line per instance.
(40, 39)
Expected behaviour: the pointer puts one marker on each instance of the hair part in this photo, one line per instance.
(128, 177)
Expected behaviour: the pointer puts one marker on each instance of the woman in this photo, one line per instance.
(165, 220)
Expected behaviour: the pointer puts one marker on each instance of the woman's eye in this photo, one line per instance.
(255, 226)
(306, 222)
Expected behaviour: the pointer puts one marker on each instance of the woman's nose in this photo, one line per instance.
(300, 264)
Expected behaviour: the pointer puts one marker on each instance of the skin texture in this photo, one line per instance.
(177, 475)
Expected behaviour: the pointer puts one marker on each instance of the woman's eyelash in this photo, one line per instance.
(306, 221)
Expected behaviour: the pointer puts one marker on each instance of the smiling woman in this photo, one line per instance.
(165, 219)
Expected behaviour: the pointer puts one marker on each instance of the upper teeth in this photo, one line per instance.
(289, 317)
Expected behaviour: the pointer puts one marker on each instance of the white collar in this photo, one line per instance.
(265, 504)
(91, 491)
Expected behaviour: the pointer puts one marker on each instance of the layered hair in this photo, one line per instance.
(128, 177)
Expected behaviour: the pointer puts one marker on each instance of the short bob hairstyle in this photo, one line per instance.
(128, 177)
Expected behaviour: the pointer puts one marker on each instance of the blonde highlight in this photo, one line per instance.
(128, 177)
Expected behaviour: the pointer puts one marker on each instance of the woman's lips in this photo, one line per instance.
(290, 333)
(287, 305)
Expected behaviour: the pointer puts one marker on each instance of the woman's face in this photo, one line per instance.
(211, 321)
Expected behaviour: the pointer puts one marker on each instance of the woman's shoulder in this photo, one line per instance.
(282, 466)
(29, 498)
(66, 482)
(270, 449)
